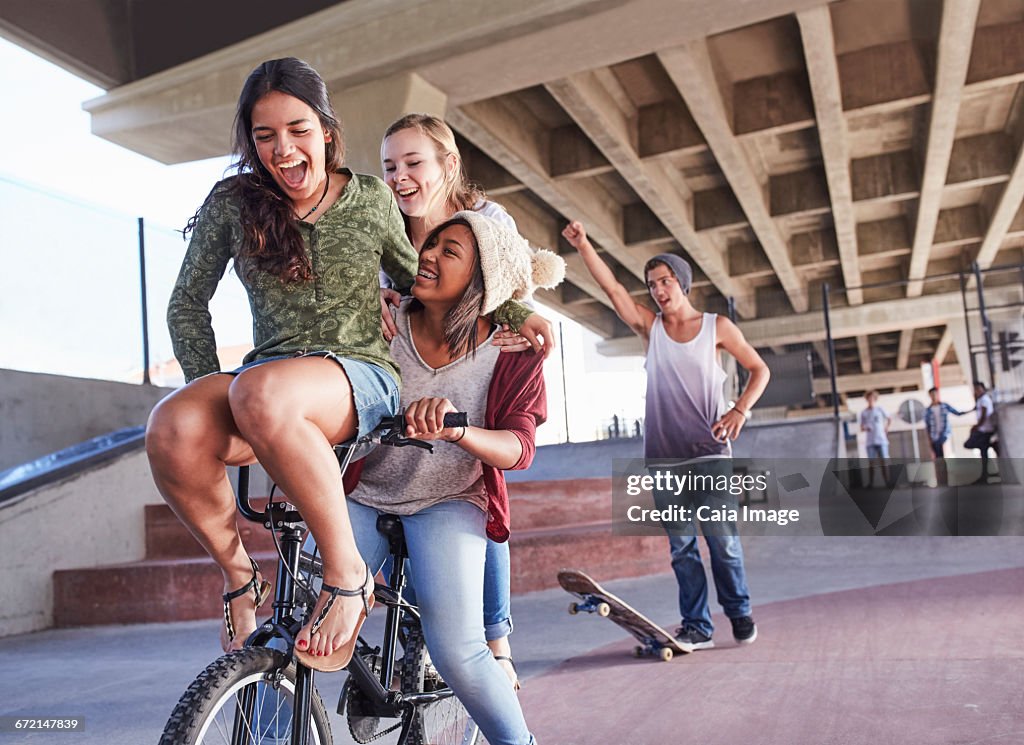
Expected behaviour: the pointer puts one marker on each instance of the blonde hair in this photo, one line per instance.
(460, 192)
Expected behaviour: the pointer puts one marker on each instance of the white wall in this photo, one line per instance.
(91, 519)
(41, 413)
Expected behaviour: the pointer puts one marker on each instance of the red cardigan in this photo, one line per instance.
(516, 401)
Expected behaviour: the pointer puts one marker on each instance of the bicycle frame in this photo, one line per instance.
(283, 624)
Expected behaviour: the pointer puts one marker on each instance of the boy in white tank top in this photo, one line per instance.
(687, 422)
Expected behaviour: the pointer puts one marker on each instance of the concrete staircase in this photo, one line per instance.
(556, 524)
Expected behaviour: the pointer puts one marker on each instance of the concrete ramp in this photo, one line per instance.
(791, 438)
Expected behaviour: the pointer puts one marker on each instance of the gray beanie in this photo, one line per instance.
(511, 268)
(679, 266)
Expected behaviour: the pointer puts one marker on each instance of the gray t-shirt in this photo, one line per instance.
(407, 480)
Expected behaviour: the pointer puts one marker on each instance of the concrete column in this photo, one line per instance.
(958, 328)
(367, 110)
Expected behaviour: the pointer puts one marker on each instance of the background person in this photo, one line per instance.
(939, 428)
(875, 423)
(984, 432)
(687, 422)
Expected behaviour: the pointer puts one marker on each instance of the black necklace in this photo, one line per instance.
(321, 201)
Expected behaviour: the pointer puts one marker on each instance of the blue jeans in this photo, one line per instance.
(724, 547)
(447, 545)
(497, 590)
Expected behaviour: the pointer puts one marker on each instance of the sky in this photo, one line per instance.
(69, 300)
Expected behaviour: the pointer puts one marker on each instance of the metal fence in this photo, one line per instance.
(85, 289)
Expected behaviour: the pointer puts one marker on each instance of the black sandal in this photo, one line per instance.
(260, 589)
(341, 656)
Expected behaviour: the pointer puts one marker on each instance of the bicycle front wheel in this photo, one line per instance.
(244, 698)
(441, 722)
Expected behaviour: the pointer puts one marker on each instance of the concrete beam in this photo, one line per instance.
(903, 353)
(956, 35)
(821, 347)
(605, 33)
(367, 110)
(521, 148)
(823, 71)
(594, 109)
(870, 318)
(949, 375)
(185, 113)
(1002, 216)
(944, 345)
(690, 69)
(864, 353)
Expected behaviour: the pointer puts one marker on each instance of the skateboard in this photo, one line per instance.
(654, 640)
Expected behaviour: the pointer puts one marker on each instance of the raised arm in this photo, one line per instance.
(632, 313)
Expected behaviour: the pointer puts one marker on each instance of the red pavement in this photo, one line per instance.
(937, 661)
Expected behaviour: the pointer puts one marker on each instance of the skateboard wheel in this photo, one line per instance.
(638, 651)
(665, 654)
(603, 609)
(573, 609)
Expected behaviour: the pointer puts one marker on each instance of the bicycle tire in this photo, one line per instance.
(205, 714)
(444, 722)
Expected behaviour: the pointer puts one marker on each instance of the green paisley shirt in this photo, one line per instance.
(337, 311)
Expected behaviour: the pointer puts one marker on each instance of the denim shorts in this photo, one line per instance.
(374, 390)
(878, 451)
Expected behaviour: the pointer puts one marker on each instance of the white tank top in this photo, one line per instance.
(684, 394)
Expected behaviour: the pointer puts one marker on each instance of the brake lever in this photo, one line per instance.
(396, 439)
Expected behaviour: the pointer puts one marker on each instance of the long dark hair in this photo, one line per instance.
(460, 325)
(271, 241)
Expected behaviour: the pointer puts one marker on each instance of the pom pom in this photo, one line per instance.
(547, 269)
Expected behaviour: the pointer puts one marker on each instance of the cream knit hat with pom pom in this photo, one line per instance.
(511, 268)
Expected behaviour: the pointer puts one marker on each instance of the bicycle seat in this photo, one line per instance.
(390, 526)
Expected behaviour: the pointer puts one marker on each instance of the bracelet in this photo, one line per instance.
(746, 414)
(459, 438)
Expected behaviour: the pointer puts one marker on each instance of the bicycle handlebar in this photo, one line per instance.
(397, 422)
(388, 432)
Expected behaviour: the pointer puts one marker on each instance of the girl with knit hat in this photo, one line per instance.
(422, 165)
(454, 499)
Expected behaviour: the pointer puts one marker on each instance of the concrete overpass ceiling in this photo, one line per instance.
(115, 42)
(777, 145)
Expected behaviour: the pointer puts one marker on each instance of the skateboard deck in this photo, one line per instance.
(654, 640)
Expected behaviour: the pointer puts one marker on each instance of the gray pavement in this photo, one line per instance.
(125, 680)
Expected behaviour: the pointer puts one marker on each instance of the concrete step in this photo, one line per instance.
(535, 504)
(158, 590)
(560, 524)
(538, 555)
(150, 591)
(168, 538)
